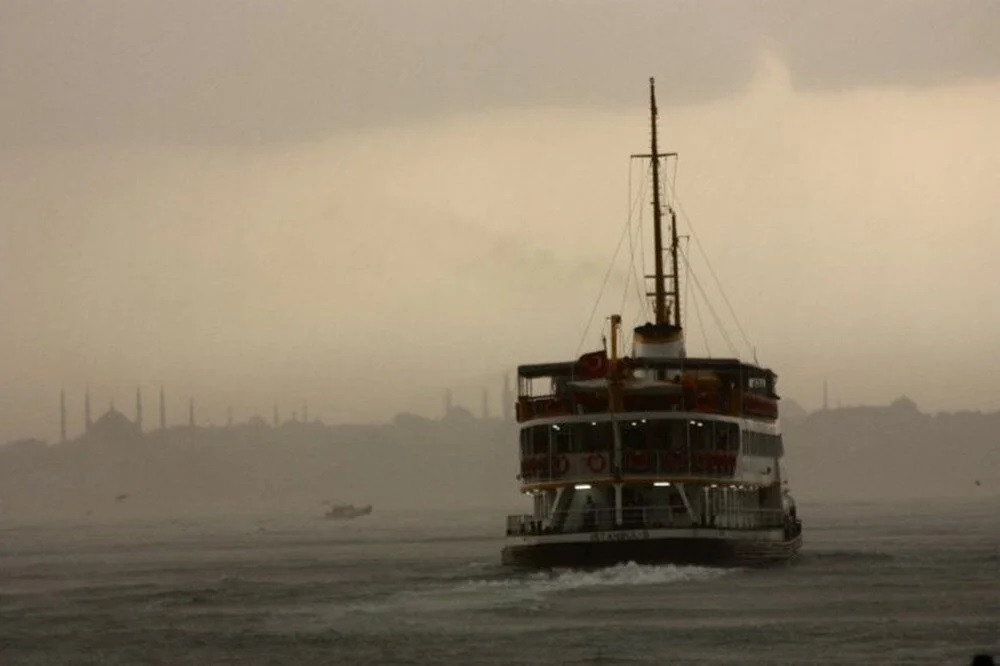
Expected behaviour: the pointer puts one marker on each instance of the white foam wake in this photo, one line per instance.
(533, 589)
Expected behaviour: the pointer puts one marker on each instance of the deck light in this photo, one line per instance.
(582, 486)
(662, 484)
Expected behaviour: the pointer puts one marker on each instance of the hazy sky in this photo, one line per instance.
(359, 204)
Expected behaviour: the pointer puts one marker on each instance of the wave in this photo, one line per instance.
(531, 590)
(844, 556)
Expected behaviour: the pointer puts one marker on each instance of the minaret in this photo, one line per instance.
(507, 399)
(826, 404)
(138, 409)
(62, 416)
(229, 417)
(305, 412)
(277, 419)
(191, 412)
(447, 402)
(87, 421)
(163, 411)
(486, 405)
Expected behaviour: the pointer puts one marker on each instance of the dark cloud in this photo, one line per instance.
(196, 72)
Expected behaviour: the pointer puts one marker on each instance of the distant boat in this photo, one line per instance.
(347, 511)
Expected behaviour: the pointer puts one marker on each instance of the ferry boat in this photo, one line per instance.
(656, 457)
(347, 511)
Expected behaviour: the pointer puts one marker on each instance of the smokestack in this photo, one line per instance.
(87, 422)
(163, 411)
(138, 409)
(62, 416)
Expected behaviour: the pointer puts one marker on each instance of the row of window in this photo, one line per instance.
(655, 435)
(759, 444)
(672, 435)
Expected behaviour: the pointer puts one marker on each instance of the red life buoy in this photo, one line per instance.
(597, 462)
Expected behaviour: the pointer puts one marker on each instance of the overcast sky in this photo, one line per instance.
(360, 204)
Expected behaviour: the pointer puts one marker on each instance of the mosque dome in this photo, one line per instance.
(113, 426)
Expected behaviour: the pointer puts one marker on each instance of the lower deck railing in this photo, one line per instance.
(645, 517)
(634, 462)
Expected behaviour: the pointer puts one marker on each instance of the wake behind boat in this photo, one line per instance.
(657, 457)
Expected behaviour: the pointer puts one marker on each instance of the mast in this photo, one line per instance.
(660, 307)
(677, 275)
(660, 303)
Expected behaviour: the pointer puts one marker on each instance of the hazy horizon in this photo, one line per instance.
(359, 206)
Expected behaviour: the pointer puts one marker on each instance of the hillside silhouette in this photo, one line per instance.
(457, 462)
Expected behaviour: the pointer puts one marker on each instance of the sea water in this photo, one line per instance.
(876, 583)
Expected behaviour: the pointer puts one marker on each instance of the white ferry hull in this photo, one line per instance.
(697, 546)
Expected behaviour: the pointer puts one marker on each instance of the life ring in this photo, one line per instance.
(597, 462)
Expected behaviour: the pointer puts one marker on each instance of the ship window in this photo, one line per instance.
(563, 438)
(573, 442)
(596, 437)
(676, 435)
(726, 436)
(666, 435)
(700, 435)
(760, 444)
(633, 434)
(536, 440)
(657, 434)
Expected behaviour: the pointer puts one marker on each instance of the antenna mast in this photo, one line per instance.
(660, 290)
(661, 302)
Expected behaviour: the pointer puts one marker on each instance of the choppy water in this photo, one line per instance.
(875, 584)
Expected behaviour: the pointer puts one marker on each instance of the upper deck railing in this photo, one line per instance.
(705, 402)
(711, 386)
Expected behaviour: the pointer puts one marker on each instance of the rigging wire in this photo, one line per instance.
(646, 310)
(604, 283)
(697, 309)
(708, 263)
(708, 303)
(633, 203)
(611, 264)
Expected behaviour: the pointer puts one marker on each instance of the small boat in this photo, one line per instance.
(655, 456)
(347, 511)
